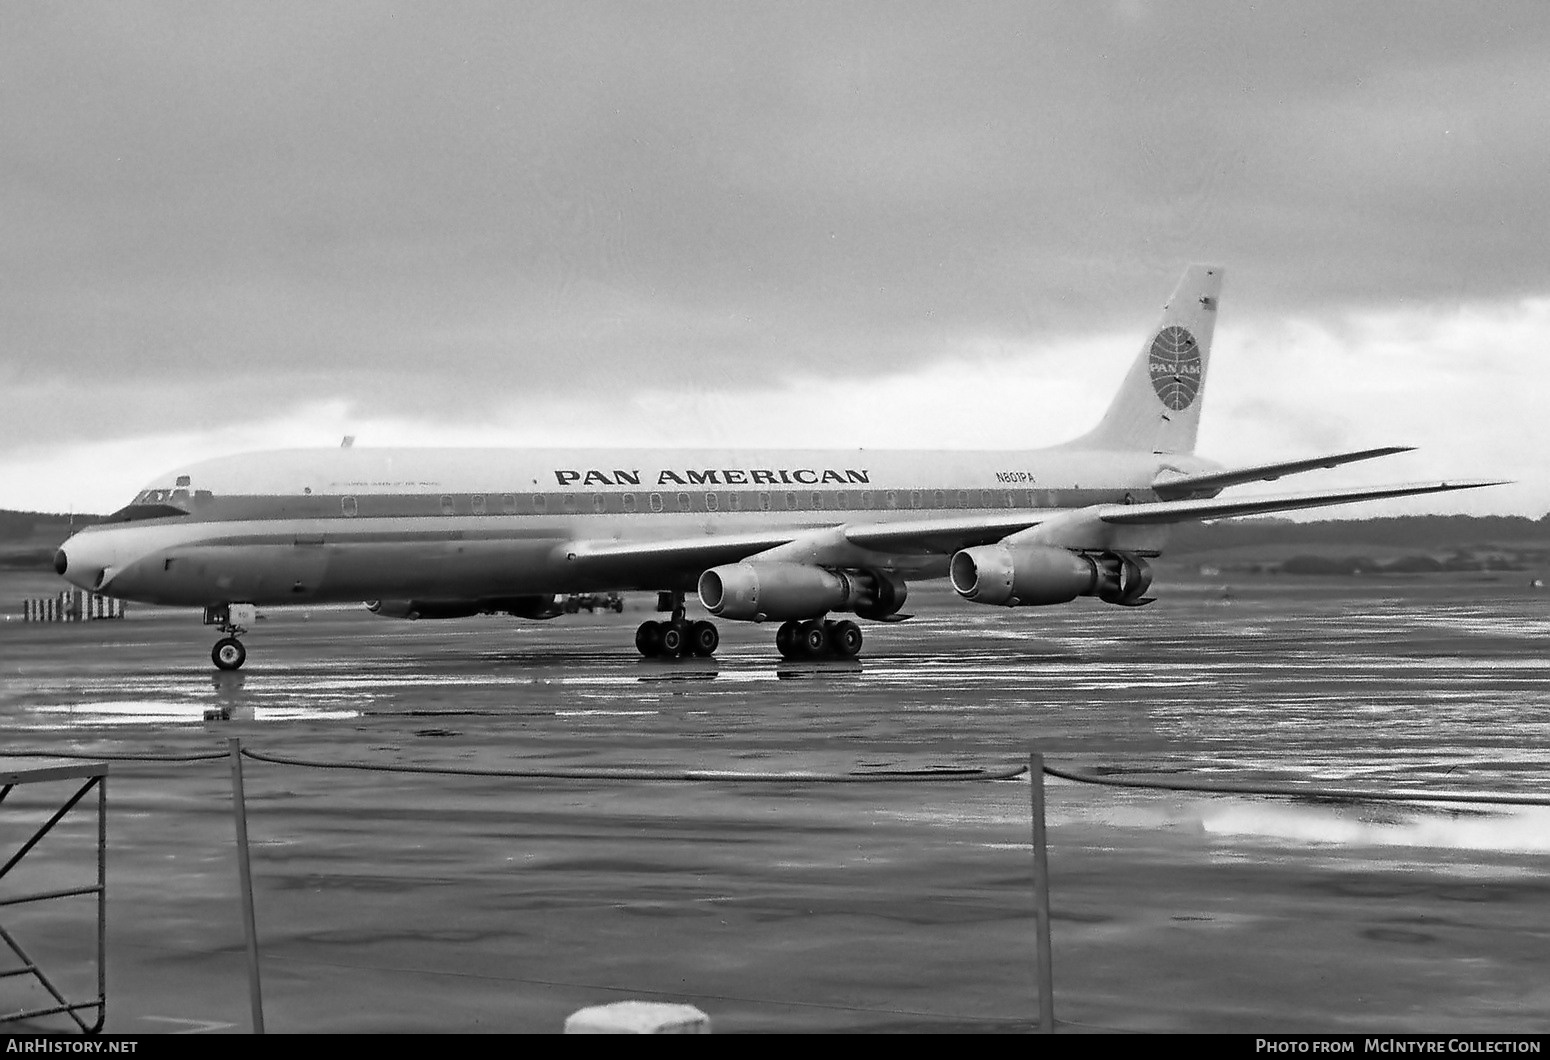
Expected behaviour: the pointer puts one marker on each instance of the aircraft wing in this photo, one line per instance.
(944, 536)
(939, 537)
(823, 543)
(707, 550)
(1158, 512)
(1184, 485)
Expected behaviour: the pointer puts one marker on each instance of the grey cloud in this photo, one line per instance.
(421, 208)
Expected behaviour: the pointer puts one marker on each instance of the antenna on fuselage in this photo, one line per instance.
(349, 440)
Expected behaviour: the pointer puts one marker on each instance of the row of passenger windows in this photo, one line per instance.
(628, 503)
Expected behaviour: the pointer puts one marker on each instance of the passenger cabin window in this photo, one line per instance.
(734, 502)
(817, 502)
(791, 502)
(183, 480)
(656, 502)
(570, 502)
(893, 499)
(712, 501)
(866, 498)
(509, 503)
(683, 502)
(447, 507)
(347, 504)
(540, 503)
(478, 504)
(599, 503)
(764, 502)
(936, 500)
(914, 498)
(629, 502)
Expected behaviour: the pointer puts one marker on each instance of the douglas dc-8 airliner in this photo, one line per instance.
(784, 536)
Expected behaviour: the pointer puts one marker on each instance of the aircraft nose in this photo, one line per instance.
(82, 562)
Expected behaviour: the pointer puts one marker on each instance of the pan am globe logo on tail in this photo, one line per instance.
(1175, 364)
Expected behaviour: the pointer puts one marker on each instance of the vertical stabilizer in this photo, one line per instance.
(1157, 410)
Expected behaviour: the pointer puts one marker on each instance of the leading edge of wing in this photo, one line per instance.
(932, 535)
(1169, 488)
(706, 548)
(1211, 508)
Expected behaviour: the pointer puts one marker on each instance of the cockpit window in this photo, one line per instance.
(160, 503)
(144, 509)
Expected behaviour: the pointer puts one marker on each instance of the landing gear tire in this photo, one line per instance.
(786, 640)
(845, 639)
(673, 640)
(648, 639)
(704, 639)
(813, 639)
(228, 654)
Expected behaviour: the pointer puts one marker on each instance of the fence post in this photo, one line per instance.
(1044, 959)
(245, 874)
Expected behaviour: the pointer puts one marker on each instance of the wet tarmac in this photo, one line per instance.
(392, 901)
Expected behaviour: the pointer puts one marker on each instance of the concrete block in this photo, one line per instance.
(638, 1017)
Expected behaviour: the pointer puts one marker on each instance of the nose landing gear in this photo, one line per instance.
(232, 620)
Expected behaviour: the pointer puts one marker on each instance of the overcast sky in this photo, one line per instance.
(260, 225)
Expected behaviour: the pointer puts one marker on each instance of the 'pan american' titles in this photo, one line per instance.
(801, 476)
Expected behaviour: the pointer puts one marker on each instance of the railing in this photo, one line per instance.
(72, 605)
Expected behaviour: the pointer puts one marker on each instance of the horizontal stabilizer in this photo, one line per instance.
(1184, 485)
(1160, 512)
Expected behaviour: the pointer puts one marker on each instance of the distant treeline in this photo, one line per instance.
(19, 526)
(1435, 532)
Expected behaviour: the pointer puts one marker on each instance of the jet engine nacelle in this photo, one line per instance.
(1032, 575)
(883, 594)
(755, 592)
(517, 606)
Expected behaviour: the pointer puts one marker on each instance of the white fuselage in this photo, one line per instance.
(344, 524)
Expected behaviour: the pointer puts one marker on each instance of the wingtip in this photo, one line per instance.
(1474, 484)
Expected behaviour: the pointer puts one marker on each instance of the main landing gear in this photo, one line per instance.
(817, 639)
(232, 620)
(677, 636)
